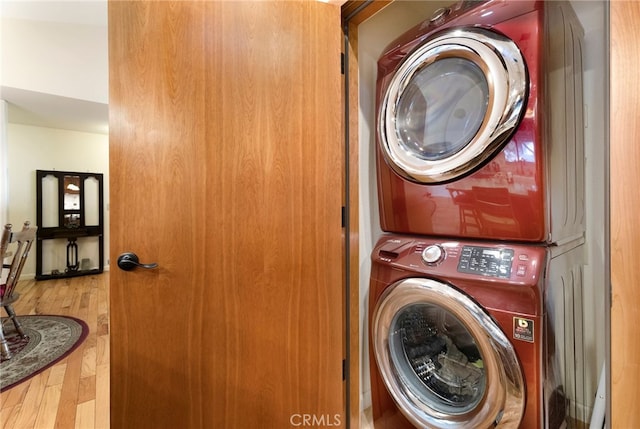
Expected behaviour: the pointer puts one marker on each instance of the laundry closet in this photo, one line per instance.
(587, 304)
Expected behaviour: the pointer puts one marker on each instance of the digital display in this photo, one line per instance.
(486, 261)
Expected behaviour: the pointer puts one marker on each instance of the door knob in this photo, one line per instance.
(128, 261)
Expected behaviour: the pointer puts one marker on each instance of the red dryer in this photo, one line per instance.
(480, 124)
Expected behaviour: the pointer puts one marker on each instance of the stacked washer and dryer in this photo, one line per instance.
(476, 284)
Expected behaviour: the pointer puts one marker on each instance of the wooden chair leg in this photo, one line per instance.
(14, 319)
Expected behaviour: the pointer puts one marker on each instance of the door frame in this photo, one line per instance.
(354, 12)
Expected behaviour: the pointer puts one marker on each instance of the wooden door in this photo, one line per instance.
(226, 169)
(624, 373)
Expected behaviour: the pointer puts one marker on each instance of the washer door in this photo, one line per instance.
(444, 360)
(452, 104)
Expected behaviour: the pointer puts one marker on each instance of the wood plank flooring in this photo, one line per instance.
(74, 393)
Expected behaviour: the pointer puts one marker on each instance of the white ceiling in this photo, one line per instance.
(34, 108)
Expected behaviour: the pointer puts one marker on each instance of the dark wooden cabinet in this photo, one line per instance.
(70, 219)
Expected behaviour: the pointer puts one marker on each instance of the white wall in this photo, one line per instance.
(592, 15)
(3, 162)
(36, 148)
(55, 58)
(51, 51)
(373, 36)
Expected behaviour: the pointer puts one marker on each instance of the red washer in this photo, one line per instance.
(479, 124)
(462, 337)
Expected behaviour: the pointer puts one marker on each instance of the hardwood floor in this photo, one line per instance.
(74, 393)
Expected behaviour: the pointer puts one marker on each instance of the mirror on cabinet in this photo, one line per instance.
(70, 218)
(71, 201)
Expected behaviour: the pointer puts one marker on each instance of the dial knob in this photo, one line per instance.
(433, 254)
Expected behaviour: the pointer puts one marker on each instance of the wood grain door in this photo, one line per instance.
(624, 372)
(226, 169)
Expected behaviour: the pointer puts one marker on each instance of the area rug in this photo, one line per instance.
(50, 339)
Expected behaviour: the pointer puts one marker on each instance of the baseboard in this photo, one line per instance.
(580, 413)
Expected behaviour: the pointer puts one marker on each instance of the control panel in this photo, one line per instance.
(488, 261)
(504, 262)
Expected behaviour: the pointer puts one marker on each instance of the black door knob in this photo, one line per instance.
(128, 261)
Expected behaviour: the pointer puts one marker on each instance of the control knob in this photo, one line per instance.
(433, 254)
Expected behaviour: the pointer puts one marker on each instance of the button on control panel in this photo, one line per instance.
(522, 270)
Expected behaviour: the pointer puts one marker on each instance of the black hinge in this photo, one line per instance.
(342, 62)
(344, 369)
(344, 216)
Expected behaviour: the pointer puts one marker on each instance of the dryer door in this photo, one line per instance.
(452, 104)
(444, 360)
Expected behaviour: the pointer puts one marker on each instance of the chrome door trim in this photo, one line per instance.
(503, 402)
(505, 70)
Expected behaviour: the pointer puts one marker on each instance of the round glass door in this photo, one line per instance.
(452, 104)
(445, 364)
(442, 108)
(444, 360)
